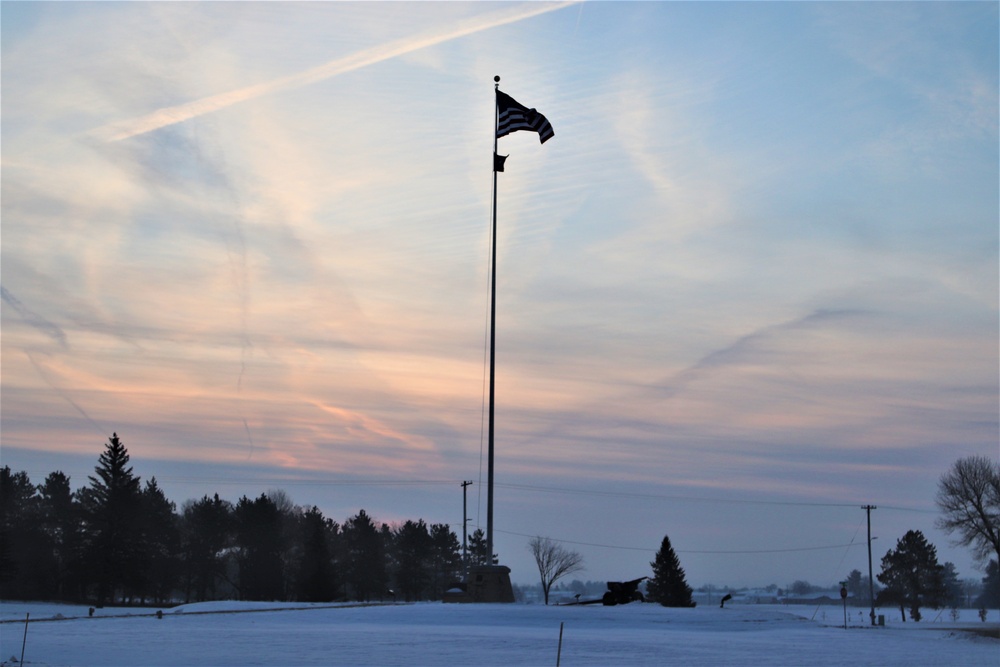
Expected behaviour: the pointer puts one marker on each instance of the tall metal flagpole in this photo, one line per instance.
(493, 330)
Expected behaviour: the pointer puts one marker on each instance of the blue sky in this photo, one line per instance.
(749, 286)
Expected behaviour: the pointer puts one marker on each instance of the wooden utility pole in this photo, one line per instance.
(465, 526)
(871, 584)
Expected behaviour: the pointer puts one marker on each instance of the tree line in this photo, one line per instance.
(911, 576)
(117, 540)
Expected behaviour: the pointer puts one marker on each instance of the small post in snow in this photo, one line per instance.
(25, 640)
(843, 596)
(559, 652)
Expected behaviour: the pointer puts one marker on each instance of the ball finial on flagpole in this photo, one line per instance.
(497, 78)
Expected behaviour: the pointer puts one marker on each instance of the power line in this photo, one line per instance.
(691, 551)
(699, 499)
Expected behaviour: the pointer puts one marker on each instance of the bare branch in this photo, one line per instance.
(553, 561)
(969, 497)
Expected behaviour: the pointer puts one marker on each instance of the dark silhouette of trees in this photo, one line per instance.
(207, 533)
(160, 534)
(855, 586)
(259, 549)
(365, 558)
(112, 547)
(800, 587)
(990, 597)
(951, 586)
(912, 576)
(478, 553)
(117, 540)
(969, 497)
(412, 556)
(315, 578)
(59, 517)
(858, 586)
(554, 562)
(26, 560)
(668, 585)
(446, 560)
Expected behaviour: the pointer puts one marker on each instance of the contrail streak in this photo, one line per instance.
(63, 394)
(182, 112)
(51, 330)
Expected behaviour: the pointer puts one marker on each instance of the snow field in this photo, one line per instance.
(456, 635)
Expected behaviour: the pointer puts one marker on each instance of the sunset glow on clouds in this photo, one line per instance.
(758, 263)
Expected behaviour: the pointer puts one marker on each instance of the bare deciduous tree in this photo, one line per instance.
(554, 562)
(969, 496)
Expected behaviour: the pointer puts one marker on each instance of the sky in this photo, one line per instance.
(749, 286)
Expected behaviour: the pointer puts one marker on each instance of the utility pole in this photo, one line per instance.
(871, 584)
(465, 524)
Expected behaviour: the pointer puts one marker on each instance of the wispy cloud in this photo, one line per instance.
(740, 350)
(180, 113)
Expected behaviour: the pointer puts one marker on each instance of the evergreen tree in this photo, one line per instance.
(413, 552)
(951, 586)
(668, 585)
(478, 552)
(446, 559)
(315, 581)
(26, 557)
(912, 576)
(289, 532)
(207, 527)
(111, 506)
(161, 540)
(60, 521)
(855, 585)
(258, 541)
(364, 557)
(990, 597)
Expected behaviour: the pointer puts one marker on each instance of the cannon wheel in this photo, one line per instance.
(609, 599)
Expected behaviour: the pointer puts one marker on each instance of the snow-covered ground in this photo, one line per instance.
(216, 634)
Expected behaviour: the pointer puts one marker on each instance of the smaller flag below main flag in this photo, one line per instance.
(514, 116)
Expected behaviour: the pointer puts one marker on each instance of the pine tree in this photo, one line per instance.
(259, 542)
(60, 521)
(315, 574)
(668, 585)
(207, 527)
(26, 563)
(951, 585)
(478, 553)
(446, 559)
(111, 506)
(161, 539)
(413, 552)
(990, 597)
(364, 556)
(912, 575)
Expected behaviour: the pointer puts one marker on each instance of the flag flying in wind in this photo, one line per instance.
(514, 116)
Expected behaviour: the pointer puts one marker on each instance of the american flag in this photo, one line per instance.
(514, 116)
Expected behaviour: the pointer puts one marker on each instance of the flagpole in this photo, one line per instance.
(493, 330)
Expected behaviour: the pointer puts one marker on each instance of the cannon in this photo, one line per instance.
(623, 592)
(619, 592)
